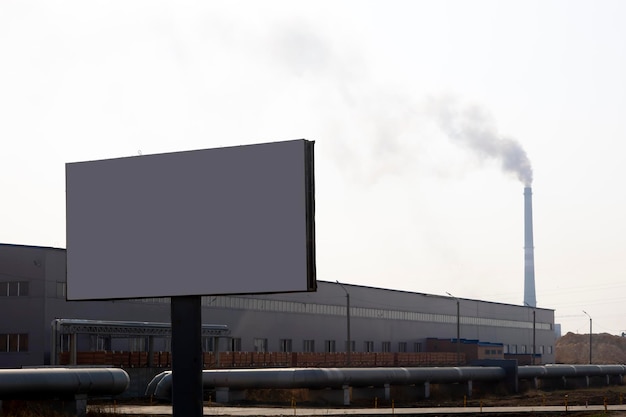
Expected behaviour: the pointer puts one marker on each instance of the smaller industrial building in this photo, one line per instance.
(380, 320)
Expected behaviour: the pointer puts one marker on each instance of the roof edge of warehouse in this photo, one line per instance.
(23, 245)
(432, 295)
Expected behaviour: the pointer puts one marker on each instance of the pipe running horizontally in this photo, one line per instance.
(161, 385)
(33, 382)
(561, 371)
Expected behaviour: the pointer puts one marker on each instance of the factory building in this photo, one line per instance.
(33, 291)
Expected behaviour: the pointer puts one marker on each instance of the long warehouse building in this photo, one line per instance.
(33, 291)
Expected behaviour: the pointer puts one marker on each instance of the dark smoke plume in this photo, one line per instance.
(471, 127)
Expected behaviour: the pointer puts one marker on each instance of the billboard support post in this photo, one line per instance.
(186, 316)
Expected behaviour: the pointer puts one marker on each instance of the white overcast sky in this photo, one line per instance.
(409, 102)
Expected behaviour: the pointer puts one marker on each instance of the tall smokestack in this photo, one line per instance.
(529, 250)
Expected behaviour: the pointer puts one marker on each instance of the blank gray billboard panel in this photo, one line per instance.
(235, 220)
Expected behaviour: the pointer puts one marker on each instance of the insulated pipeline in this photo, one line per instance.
(62, 381)
(160, 386)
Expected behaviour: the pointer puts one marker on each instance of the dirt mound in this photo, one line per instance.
(606, 349)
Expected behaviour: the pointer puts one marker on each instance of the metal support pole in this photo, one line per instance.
(590, 339)
(534, 336)
(458, 329)
(73, 350)
(349, 347)
(348, 320)
(590, 335)
(150, 351)
(532, 359)
(458, 332)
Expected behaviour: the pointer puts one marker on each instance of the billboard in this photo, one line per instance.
(233, 220)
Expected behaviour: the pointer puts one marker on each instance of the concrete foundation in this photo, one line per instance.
(222, 395)
(347, 394)
(225, 395)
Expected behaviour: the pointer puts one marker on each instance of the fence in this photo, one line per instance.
(127, 359)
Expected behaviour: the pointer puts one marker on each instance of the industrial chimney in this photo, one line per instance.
(529, 250)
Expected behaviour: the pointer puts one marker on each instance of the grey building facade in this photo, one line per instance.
(33, 288)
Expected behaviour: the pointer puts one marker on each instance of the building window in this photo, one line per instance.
(401, 346)
(368, 346)
(550, 350)
(66, 342)
(386, 347)
(352, 346)
(61, 290)
(285, 345)
(100, 342)
(417, 347)
(541, 349)
(14, 289)
(329, 346)
(260, 344)
(308, 345)
(523, 349)
(513, 349)
(235, 344)
(13, 342)
(137, 344)
(208, 343)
